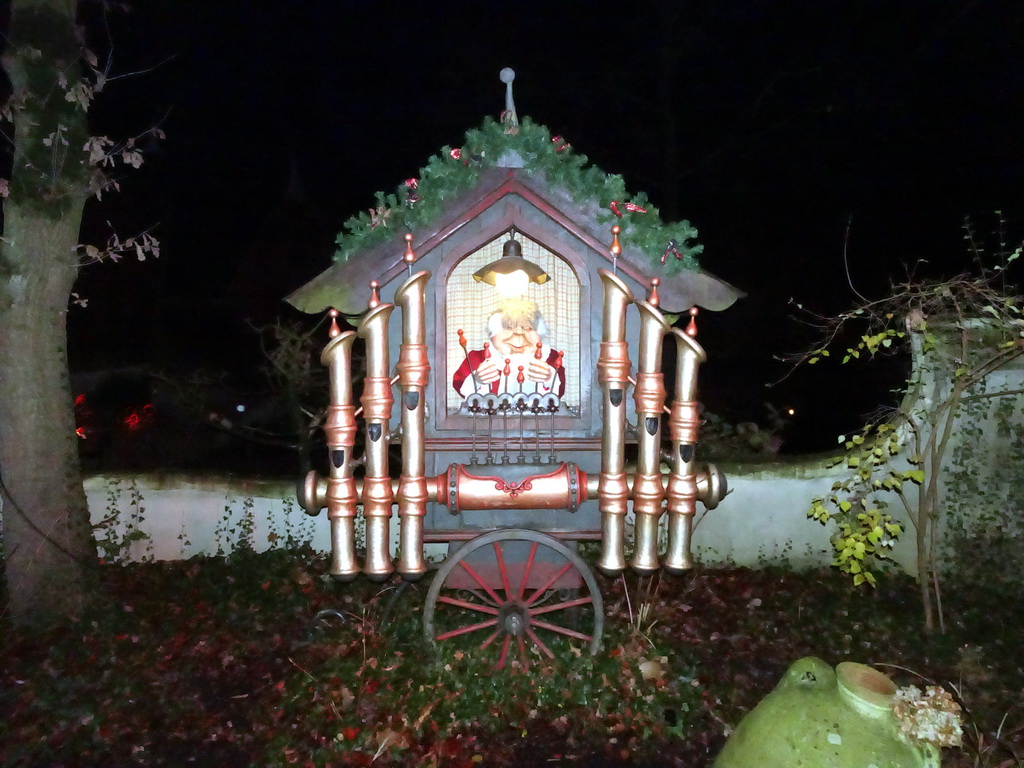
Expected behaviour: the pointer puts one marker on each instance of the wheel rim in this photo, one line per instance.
(512, 604)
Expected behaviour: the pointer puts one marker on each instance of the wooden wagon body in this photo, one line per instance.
(510, 478)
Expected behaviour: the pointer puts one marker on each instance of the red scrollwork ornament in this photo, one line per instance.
(514, 489)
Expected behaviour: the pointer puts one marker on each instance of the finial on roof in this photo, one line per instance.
(374, 295)
(616, 249)
(691, 328)
(334, 331)
(509, 117)
(652, 297)
(409, 257)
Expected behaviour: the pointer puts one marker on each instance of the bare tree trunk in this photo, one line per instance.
(48, 546)
(47, 538)
(924, 582)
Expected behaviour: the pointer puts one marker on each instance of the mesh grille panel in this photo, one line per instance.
(469, 304)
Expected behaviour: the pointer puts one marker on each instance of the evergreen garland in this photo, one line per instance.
(453, 171)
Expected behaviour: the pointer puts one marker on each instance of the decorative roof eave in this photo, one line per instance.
(678, 292)
(345, 285)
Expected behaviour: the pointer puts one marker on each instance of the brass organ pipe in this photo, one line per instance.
(340, 496)
(377, 401)
(690, 356)
(613, 376)
(414, 374)
(313, 491)
(684, 422)
(648, 490)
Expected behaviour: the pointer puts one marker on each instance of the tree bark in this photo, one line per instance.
(49, 552)
(47, 536)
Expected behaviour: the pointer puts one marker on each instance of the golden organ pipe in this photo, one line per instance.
(613, 376)
(684, 422)
(648, 490)
(340, 428)
(413, 376)
(377, 402)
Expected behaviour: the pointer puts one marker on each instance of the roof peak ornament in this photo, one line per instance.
(509, 118)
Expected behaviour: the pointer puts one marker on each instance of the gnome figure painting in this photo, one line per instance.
(517, 358)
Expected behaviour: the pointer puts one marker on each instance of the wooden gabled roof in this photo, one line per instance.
(344, 285)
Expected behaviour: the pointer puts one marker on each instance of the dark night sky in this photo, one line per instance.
(767, 124)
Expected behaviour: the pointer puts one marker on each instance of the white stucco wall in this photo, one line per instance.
(184, 515)
(763, 519)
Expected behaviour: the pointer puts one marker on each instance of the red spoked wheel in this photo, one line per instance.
(513, 589)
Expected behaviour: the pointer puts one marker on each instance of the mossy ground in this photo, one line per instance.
(215, 662)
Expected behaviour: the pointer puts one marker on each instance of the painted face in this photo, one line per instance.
(515, 341)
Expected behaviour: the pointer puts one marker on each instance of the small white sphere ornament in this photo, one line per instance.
(507, 75)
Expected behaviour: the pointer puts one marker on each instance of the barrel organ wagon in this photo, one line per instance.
(526, 283)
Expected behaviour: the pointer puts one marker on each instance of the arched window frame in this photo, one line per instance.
(579, 344)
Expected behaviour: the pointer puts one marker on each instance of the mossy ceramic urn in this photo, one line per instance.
(820, 718)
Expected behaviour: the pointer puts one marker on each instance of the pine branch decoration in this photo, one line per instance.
(454, 170)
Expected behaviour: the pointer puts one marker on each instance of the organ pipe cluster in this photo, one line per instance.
(341, 493)
(652, 491)
(646, 487)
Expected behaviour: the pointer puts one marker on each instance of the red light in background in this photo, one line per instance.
(140, 418)
(81, 432)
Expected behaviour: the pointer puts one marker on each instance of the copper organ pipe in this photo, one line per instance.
(413, 377)
(613, 376)
(684, 422)
(377, 402)
(312, 493)
(648, 491)
(340, 428)
(313, 490)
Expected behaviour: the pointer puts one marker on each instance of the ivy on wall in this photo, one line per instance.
(984, 494)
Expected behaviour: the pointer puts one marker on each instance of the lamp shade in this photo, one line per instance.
(511, 261)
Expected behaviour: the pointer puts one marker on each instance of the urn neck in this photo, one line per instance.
(865, 689)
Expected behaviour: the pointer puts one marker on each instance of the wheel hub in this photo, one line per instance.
(514, 619)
